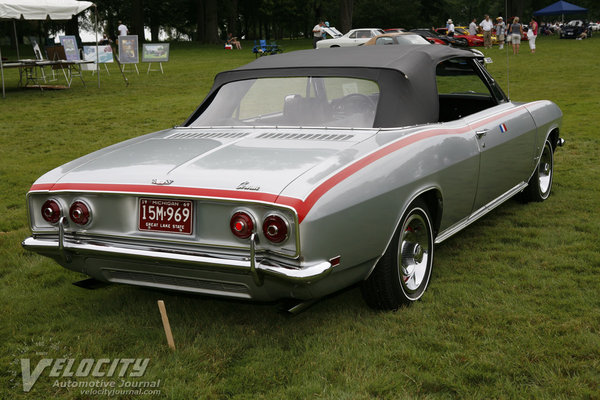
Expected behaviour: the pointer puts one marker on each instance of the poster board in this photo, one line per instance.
(128, 49)
(37, 51)
(56, 53)
(105, 51)
(70, 45)
(89, 54)
(155, 52)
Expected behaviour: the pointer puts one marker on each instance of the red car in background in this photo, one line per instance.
(473, 40)
(430, 39)
(395, 30)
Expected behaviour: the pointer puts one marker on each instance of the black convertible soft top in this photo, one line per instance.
(403, 57)
(405, 74)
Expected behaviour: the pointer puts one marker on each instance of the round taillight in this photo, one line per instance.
(275, 228)
(79, 213)
(51, 211)
(241, 225)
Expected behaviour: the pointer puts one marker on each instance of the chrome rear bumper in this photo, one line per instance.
(257, 267)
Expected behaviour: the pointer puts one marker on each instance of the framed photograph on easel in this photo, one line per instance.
(155, 52)
(128, 51)
(69, 43)
(89, 54)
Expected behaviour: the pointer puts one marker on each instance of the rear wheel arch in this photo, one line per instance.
(435, 204)
(433, 200)
(553, 138)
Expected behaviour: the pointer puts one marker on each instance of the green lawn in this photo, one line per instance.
(513, 309)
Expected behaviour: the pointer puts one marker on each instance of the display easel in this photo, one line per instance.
(135, 65)
(161, 69)
(155, 53)
(105, 67)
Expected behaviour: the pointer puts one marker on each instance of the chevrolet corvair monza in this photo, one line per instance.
(301, 174)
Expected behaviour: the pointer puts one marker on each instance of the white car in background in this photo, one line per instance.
(354, 37)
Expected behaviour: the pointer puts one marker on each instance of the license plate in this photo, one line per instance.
(166, 215)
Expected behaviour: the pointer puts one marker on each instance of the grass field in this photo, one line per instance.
(513, 309)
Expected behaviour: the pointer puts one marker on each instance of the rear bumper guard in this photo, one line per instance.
(257, 267)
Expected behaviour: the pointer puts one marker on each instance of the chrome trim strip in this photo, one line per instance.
(62, 222)
(253, 265)
(479, 213)
(255, 276)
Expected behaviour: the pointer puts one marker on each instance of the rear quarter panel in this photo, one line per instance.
(547, 117)
(358, 210)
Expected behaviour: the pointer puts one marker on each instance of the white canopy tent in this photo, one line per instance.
(40, 10)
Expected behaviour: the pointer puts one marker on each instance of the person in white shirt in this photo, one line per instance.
(123, 31)
(450, 25)
(473, 27)
(487, 25)
(317, 33)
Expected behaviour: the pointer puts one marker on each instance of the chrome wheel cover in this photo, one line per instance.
(414, 253)
(545, 171)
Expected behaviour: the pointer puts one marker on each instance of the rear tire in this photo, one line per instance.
(402, 275)
(540, 183)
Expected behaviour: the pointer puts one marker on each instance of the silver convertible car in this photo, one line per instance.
(301, 174)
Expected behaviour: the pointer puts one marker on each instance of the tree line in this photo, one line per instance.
(208, 21)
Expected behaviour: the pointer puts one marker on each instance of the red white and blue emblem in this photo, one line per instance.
(503, 128)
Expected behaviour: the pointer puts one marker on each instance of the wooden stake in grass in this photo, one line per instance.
(166, 325)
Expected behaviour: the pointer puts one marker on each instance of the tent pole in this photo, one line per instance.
(2, 69)
(97, 50)
(16, 38)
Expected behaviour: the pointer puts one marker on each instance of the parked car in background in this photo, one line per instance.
(300, 175)
(595, 26)
(396, 38)
(576, 29)
(473, 40)
(436, 38)
(352, 38)
(394, 30)
(479, 35)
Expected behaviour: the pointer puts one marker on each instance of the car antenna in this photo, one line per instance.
(507, 57)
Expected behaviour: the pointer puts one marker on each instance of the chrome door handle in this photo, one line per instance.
(481, 133)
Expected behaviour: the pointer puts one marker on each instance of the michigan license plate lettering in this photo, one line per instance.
(166, 215)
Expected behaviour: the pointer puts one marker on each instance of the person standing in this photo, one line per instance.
(516, 32)
(123, 31)
(500, 31)
(324, 34)
(317, 33)
(450, 25)
(532, 34)
(487, 25)
(509, 22)
(473, 27)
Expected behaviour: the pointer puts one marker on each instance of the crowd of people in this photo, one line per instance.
(511, 31)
